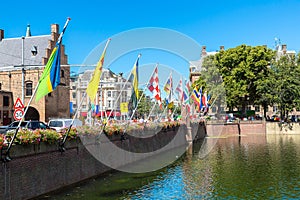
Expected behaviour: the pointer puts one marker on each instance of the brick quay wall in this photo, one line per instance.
(39, 169)
(251, 127)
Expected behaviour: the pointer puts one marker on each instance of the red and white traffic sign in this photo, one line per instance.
(18, 114)
(18, 104)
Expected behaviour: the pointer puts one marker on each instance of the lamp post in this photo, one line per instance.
(23, 70)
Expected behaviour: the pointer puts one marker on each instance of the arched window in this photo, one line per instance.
(28, 86)
(62, 73)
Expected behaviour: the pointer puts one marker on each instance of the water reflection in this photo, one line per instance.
(246, 167)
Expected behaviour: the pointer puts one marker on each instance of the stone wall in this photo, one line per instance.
(38, 169)
(285, 128)
(251, 127)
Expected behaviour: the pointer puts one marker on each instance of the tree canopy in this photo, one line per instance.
(243, 68)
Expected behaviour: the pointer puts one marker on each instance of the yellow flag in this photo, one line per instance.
(92, 88)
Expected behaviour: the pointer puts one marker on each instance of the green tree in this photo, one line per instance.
(242, 68)
(144, 106)
(265, 91)
(287, 85)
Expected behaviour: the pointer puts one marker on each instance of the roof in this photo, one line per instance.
(196, 66)
(11, 50)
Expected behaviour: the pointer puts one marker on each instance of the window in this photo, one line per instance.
(275, 108)
(257, 109)
(214, 109)
(5, 101)
(0, 86)
(108, 93)
(74, 95)
(109, 103)
(28, 86)
(34, 50)
(248, 107)
(62, 73)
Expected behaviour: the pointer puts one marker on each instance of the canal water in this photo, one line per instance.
(227, 167)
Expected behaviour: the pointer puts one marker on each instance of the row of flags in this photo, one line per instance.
(184, 93)
(50, 79)
(202, 100)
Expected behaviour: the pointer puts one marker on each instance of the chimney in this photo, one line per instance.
(222, 48)
(54, 28)
(54, 32)
(28, 32)
(203, 52)
(1, 34)
(284, 48)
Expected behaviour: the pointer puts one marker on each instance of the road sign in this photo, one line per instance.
(18, 104)
(18, 114)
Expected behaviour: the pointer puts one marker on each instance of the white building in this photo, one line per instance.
(108, 97)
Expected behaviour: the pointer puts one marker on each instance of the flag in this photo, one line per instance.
(168, 85)
(135, 82)
(153, 86)
(209, 100)
(50, 77)
(93, 85)
(168, 88)
(196, 97)
(200, 99)
(203, 100)
(179, 90)
(186, 93)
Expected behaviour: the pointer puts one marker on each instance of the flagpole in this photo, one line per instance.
(122, 89)
(143, 93)
(7, 157)
(140, 99)
(62, 143)
(119, 96)
(151, 110)
(64, 28)
(171, 91)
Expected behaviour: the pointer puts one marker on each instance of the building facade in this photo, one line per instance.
(112, 91)
(22, 61)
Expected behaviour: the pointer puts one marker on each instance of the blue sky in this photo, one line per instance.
(210, 23)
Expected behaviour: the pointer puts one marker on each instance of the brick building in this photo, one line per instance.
(22, 61)
(6, 107)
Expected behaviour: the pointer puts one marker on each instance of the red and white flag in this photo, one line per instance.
(179, 91)
(153, 86)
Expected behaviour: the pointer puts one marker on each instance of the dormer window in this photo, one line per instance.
(34, 50)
